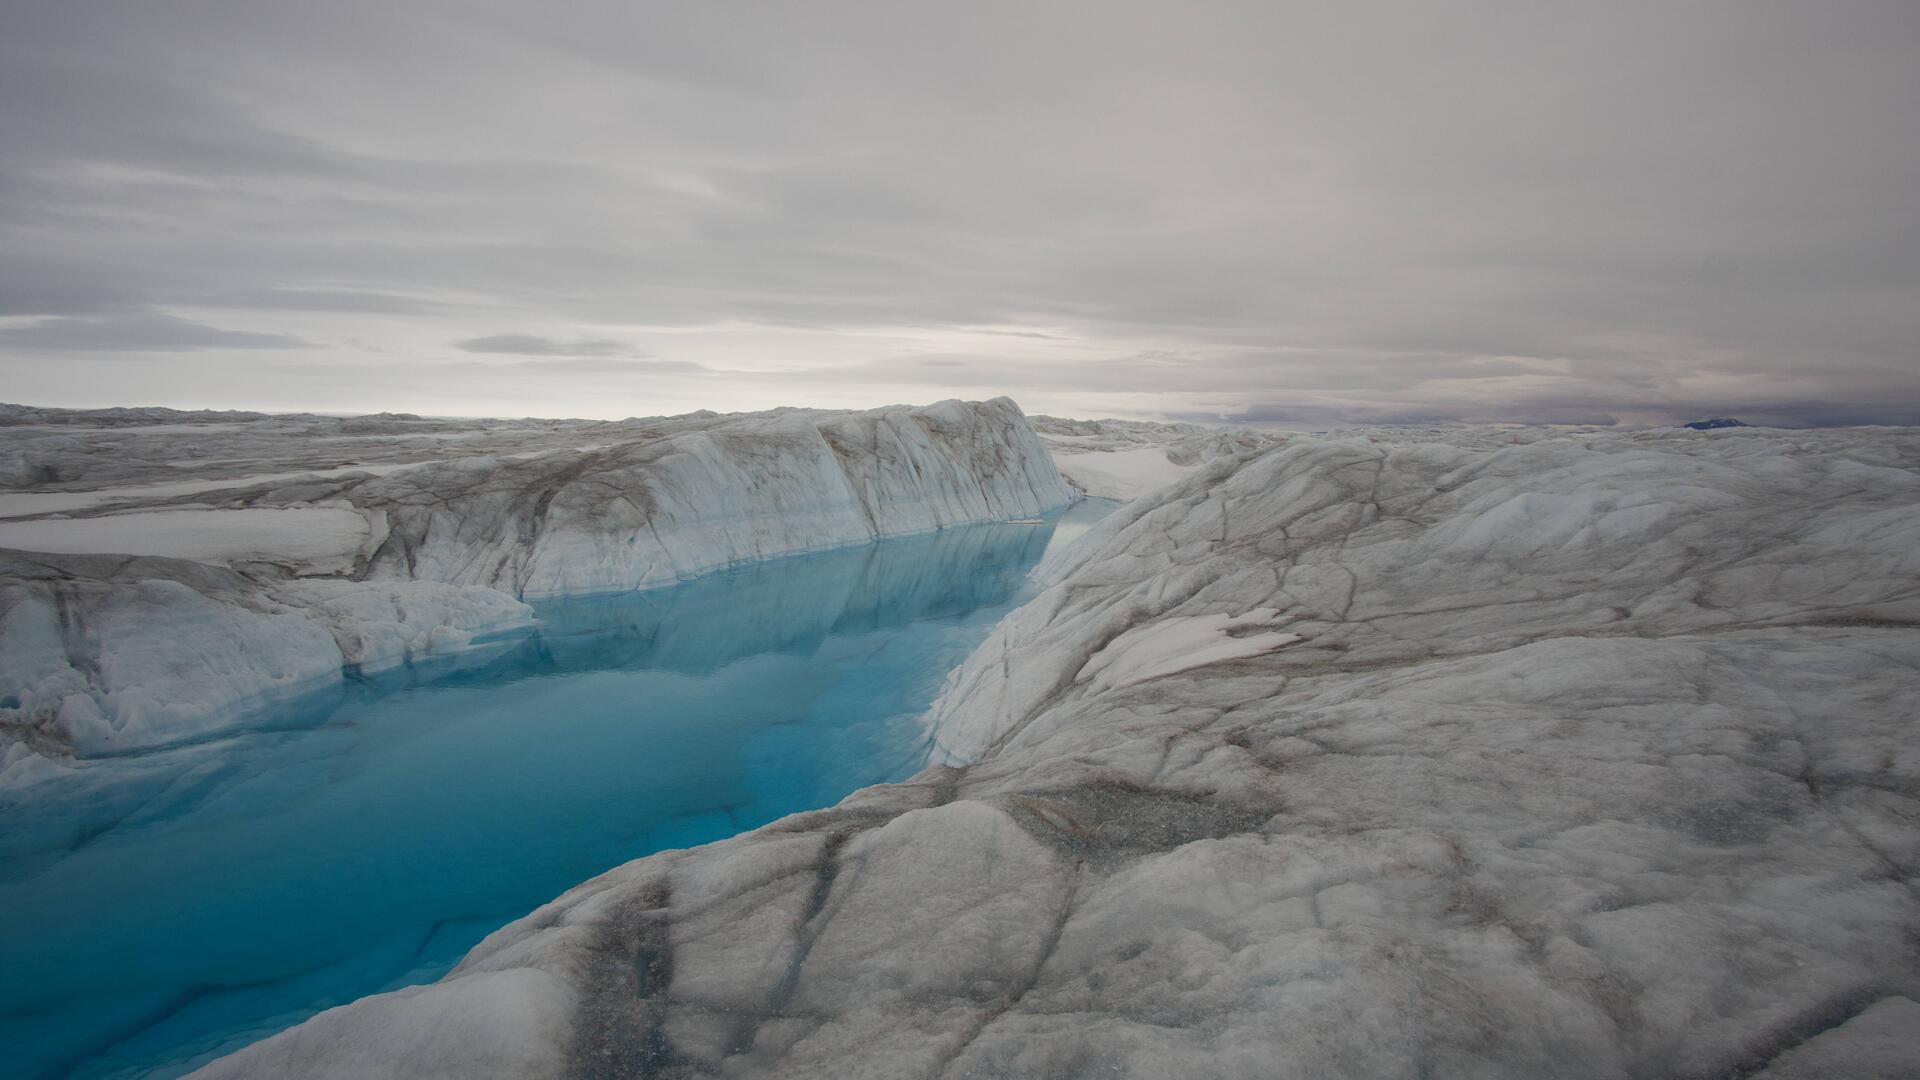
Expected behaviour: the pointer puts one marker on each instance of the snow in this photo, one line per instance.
(312, 537)
(1590, 755)
(1121, 474)
(1124, 459)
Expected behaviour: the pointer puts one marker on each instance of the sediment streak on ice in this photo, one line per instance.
(1596, 758)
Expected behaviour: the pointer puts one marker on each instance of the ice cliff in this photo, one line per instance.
(157, 613)
(693, 498)
(1517, 754)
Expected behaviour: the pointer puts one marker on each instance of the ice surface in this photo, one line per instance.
(1120, 474)
(1876, 1044)
(1124, 459)
(1175, 644)
(400, 561)
(17, 504)
(1594, 758)
(313, 539)
(506, 1023)
(55, 452)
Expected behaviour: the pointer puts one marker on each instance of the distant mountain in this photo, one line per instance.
(1709, 425)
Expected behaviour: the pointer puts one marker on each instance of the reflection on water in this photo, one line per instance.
(159, 910)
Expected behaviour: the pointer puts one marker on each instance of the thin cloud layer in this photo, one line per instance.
(133, 331)
(534, 345)
(1297, 213)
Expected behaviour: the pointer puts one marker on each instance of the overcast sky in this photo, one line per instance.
(1293, 213)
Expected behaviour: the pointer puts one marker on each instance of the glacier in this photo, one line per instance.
(170, 573)
(1488, 752)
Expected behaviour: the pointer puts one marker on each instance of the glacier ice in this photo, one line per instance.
(1586, 755)
(160, 611)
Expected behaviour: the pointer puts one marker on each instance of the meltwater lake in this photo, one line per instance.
(165, 909)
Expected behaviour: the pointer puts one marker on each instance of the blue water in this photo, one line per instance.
(165, 909)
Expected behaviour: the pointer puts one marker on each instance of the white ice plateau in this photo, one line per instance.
(1486, 752)
(1124, 459)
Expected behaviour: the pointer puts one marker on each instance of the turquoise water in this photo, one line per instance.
(164, 909)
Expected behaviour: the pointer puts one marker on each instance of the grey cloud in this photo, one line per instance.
(56, 286)
(526, 373)
(619, 367)
(1162, 372)
(1470, 210)
(135, 332)
(532, 345)
(1034, 334)
(308, 299)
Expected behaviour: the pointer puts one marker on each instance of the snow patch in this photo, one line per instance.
(1182, 643)
(1121, 474)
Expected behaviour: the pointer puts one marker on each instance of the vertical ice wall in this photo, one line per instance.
(693, 499)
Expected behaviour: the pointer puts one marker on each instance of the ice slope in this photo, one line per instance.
(267, 587)
(1527, 755)
(1389, 553)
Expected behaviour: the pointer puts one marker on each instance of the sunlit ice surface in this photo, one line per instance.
(157, 911)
